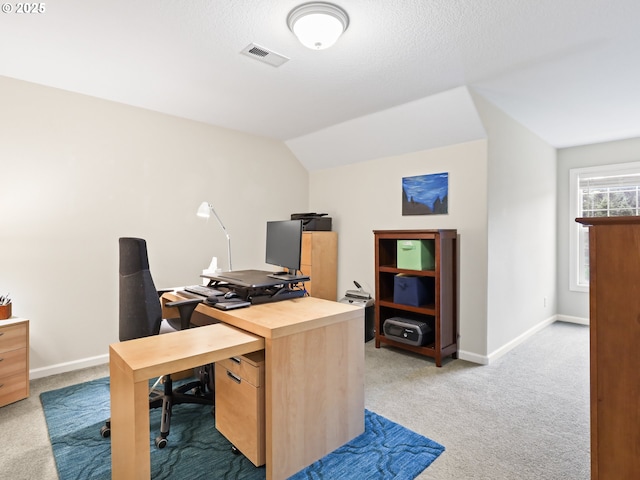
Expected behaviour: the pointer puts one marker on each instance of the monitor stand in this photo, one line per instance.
(288, 277)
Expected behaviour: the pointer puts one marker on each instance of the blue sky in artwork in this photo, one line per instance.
(426, 188)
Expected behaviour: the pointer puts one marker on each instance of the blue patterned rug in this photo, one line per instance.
(196, 450)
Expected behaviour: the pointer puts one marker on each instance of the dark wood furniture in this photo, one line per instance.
(614, 304)
(441, 315)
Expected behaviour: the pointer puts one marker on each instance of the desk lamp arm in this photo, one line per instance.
(226, 234)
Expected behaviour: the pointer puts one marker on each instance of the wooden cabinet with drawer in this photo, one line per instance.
(240, 404)
(614, 326)
(14, 360)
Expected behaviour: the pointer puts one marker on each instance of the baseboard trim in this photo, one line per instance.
(521, 338)
(473, 357)
(68, 366)
(570, 319)
(486, 359)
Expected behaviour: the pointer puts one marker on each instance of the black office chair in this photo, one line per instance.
(141, 316)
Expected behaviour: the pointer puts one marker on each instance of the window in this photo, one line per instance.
(605, 191)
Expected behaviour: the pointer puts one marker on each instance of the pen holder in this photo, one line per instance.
(5, 311)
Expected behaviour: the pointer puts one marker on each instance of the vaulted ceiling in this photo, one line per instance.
(568, 70)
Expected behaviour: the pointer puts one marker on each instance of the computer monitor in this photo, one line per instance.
(284, 244)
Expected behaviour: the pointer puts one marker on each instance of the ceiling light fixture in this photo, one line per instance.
(318, 25)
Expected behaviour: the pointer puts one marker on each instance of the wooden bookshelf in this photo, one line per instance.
(440, 313)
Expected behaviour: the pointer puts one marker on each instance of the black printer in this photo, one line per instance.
(313, 222)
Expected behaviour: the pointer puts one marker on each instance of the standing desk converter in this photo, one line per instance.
(314, 379)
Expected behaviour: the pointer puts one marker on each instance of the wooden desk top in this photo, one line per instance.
(149, 357)
(287, 317)
(276, 319)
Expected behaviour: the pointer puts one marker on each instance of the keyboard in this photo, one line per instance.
(203, 290)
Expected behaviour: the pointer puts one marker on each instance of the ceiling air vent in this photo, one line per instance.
(264, 55)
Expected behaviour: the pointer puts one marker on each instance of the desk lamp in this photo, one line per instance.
(204, 210)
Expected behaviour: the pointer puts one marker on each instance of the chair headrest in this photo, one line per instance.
(133, 255)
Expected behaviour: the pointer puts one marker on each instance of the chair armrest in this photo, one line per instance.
(187, 301)
(185, 308)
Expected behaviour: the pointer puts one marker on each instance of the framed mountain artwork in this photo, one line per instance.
(426, 194)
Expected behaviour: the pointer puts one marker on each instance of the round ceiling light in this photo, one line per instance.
(318, 25)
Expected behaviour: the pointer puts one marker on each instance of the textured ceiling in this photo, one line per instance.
(568, 70)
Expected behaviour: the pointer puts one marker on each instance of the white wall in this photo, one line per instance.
(78, 172)
(367, 196)
(576, 304)
(521, 230)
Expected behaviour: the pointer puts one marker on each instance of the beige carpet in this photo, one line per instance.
(525, 416)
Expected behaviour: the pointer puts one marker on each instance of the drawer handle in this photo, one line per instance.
(1, 333)
(233, 377)
(1, 359)
(236, 359)
(1, 385)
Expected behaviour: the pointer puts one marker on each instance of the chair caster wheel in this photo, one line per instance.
(161, 442)
(235, 450)
(105, 432)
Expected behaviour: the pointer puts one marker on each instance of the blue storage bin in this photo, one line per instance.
(411, 290)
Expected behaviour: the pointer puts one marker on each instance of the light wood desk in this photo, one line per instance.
(133, 363)
(314, 380)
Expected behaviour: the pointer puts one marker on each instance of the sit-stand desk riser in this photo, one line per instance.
(258, 286)
(254, 278)
(314, 378)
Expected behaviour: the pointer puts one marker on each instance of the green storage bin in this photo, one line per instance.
(416, 254)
